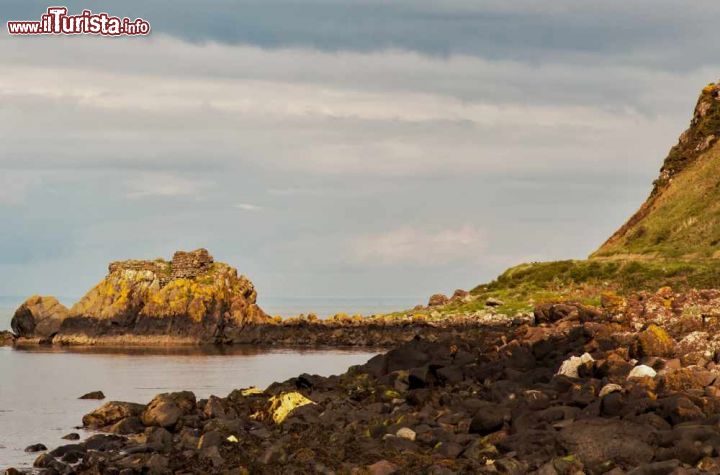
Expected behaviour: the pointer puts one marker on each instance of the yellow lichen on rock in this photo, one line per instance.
(655, 341)
(283, 404)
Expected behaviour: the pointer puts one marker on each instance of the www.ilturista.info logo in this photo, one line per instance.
(57, 22)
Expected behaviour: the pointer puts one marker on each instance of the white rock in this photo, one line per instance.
(641, 371)
(609, 388)
(570, 366)
(406, 433)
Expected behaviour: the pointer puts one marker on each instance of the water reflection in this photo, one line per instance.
(39, 386)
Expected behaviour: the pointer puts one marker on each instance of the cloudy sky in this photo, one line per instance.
(339, 148)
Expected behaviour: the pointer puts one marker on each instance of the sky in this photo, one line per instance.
(339, 148)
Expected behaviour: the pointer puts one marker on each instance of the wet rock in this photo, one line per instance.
(35, 448)
(71, 436)
(101, 442)
(111, 412)
(166, 409)
(93, 395)
(128, 425)
(49, 463)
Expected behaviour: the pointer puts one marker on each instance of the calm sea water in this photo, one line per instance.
(39, 387)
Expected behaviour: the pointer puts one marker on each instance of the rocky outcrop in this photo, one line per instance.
(191, 299)
(39, 317)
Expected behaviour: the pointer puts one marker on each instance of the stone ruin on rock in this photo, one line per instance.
(188, 265)
(184, 265)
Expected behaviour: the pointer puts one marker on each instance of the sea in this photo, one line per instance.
(39, 387)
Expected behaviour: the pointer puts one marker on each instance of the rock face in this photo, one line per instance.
(191, 299)
(39, 317)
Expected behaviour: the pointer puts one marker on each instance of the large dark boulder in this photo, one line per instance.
(38, 317)
(595, 441)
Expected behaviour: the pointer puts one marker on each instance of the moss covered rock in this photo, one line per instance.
(191, 298)
(655, 341)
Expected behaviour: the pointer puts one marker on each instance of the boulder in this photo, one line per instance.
(642, 371)
(38, 317)
(489, 418)
(97, 395)
(571, 365)
(283, 404)
(35, 448)
(438, 300)
(595, 441)
(494, 302)
(655, 341)
(166, 409)
(110, 413)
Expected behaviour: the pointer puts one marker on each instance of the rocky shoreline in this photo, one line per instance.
(629, 387)
(193, 300)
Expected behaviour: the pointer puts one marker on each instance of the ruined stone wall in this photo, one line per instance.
(157, 267)
(188, 265)
(184, 265)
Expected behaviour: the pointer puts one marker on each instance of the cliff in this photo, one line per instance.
(681, 217)
(190, 299)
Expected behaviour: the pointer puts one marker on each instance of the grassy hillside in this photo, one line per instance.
(672, 240)
(681, 218)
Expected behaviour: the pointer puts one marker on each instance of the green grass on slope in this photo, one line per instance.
(524, 286)
(685, 220)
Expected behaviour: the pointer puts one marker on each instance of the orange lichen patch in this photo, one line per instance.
(612, 302)
(655, 341)
(145, 288)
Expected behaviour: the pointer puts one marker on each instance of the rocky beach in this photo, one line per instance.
(631, 386)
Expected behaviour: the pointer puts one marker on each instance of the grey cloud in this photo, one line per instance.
(523, 31)
(537, 126)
